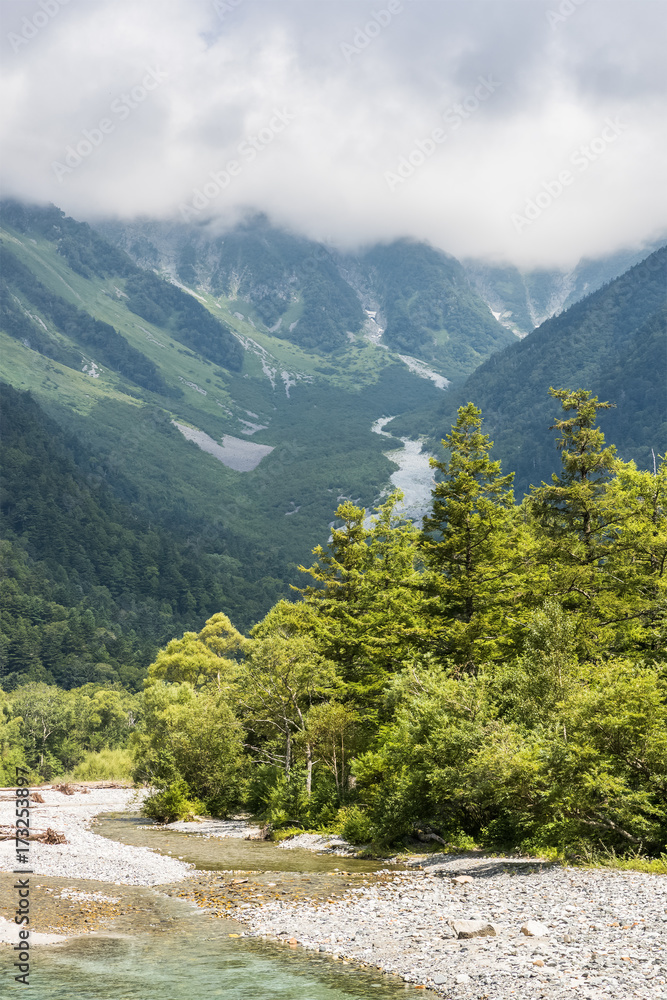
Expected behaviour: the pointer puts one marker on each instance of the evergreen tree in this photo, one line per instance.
(467, 547)
(632, 603)
(368, 604)
(577, 523)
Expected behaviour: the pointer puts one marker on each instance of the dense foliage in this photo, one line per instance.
(498, 675)
(53, 732)
(89, 587)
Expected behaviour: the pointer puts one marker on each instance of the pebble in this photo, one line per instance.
(605, 930)
(86, 855)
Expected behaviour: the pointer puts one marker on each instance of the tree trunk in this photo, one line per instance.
(309, 777)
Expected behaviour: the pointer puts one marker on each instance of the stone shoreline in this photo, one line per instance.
(603, 933)
(86, 855)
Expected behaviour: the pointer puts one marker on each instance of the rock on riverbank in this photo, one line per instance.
(605, 930)
(86, 855)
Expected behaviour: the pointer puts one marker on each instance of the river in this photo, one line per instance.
(164, 948)
(414, 476)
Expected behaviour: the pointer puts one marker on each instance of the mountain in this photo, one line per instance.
(522, 300)
(185, 409)
(409, 296)
(430, 309)
(613, 342)
(211, 440)
(292, 284)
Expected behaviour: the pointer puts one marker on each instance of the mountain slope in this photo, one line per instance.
(612, 342)
(282, 432)
(309, 294)
(292, 285)
(522, 300)
(90, 588)
(430, 309)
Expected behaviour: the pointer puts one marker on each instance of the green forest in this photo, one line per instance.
(493, 677)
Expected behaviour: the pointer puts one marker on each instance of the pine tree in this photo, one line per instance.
(467, 547)
(573, 516)
(368, 606)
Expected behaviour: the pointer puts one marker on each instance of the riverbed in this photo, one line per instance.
(252, 919)
(414, 476)
(133, 933)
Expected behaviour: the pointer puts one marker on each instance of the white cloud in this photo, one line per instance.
(354, 115)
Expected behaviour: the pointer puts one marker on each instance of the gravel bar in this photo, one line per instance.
(596, 933)
(86, 855)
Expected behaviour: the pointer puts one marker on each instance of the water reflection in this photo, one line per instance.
(216, 854)
(197, 959)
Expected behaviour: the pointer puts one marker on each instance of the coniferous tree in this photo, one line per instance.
(467, 546)
(574, 519)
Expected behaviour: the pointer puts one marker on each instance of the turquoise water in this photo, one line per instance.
(188, 954)
(186, 966)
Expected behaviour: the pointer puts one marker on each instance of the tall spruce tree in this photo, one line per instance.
(573, 517)
(368, 600)
(467, 547)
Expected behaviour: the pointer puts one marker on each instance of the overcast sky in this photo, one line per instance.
(528, 131)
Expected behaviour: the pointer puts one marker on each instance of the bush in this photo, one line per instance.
(172, 803)
(104, 765)
(353, 824)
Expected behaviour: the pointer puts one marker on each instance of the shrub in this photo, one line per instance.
(172, 803)
(353, 824)
(104, 765)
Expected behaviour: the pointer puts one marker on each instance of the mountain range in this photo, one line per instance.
(187, 407)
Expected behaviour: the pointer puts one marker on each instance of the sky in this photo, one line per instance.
(526, 131)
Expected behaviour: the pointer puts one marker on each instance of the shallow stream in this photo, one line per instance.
(164, 948)
(414, 475)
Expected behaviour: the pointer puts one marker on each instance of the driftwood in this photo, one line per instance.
(36, 797)
(65, 789)
(263, 834)
(51, 837)
(48, 836)
(431, 836)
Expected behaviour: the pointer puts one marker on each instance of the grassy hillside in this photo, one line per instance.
(249, 529)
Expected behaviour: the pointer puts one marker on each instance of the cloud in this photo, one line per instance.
(133, 107)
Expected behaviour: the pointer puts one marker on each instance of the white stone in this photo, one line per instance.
(533, 928)
(473, 928)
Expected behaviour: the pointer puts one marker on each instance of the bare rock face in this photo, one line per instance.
(533, 928)
(473, 928)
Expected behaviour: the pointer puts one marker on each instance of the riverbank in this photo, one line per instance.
(546, 931)
(86, 855)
